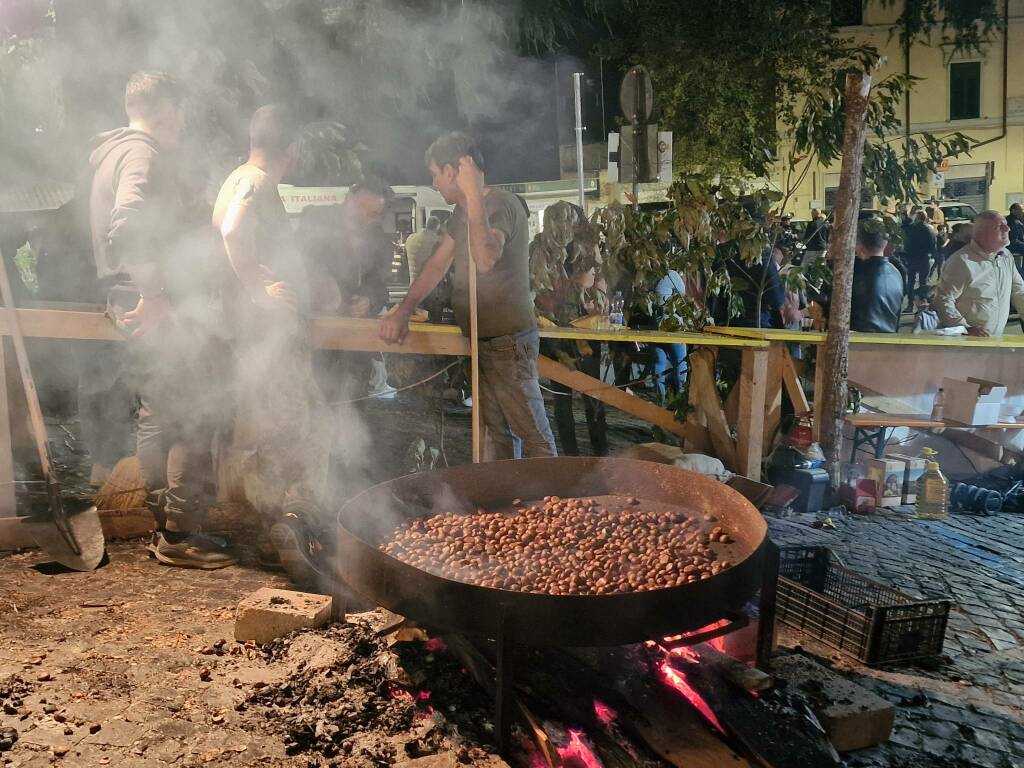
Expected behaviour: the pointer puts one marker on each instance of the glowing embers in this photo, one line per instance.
(421, 698)
(577, 753)
(677, 681)
(605, 714)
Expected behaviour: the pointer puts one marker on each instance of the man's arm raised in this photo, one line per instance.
(485, 243)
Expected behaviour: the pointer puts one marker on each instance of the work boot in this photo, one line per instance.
(194, 551)
(297, 550)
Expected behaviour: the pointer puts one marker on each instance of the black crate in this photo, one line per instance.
(870, 621)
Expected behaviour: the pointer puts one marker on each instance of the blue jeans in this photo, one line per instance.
(669, 362)
(515, 422)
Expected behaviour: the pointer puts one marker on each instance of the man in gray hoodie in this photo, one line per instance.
(148, 261)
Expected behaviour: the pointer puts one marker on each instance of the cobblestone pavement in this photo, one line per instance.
(966, 711)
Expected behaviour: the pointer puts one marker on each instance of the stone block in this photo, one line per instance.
(853, 717)
(270, 613)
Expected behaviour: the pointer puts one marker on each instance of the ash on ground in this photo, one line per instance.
(352, 698)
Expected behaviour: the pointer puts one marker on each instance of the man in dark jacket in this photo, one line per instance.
(919, 246)
(348, 273)
(147, 257)
(877, 285)
(762, 288)
(817, 233)
(1016, 222)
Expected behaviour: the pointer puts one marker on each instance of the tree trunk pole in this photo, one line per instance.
(834, 354)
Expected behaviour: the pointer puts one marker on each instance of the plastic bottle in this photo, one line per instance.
(938, 407)
(616, 311)
(932, 490)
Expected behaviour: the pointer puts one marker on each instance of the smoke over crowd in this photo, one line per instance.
(372, 82)
(395, 73)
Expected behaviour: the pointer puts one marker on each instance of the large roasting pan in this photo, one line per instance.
(443, 604)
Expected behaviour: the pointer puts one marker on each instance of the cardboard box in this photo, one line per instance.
(888, 477)
(914, 470)
(975, 401)
(859, 498)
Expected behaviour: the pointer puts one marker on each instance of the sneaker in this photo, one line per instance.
(194, 551)
(468, 402)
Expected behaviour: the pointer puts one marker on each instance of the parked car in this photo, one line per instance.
(955, 211)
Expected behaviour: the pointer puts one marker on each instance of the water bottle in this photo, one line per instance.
(932, 491)
(938, 406)
(616, 312)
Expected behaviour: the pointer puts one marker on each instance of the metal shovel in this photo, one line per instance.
(74, 538)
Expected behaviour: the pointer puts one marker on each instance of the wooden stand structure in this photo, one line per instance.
(783, 370)
(714, 430)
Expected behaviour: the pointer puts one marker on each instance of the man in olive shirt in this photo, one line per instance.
(980, 281)
(493, 225)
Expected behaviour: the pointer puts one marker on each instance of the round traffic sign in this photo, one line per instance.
(636, 97)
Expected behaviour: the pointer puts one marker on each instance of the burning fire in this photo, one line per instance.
(434, 644)
(688, 654)
(576, 754)
(605, 714)
(714, 625)
(677, 680)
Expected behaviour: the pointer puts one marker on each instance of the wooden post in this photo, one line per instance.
(750, 427)
(773, 394)
(795, 390)
(835, 353)
(702, 385)
(8, 507)
(474, 355)
(819, 387)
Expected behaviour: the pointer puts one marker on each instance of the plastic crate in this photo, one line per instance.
(860, 617)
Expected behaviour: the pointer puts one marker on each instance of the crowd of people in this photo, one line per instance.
(216, 303)
(977, 269)
(216, 306)
(213, 304)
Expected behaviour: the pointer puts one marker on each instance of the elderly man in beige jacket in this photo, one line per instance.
(980, 281)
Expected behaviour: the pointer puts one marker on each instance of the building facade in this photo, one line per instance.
(977, 94)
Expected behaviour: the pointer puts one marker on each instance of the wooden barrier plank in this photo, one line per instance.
(749, 434)
(819, 387)
(351, 335)
(773, 392)
(63, 324)
(702, 384)
(794, 388)
(611, 395)
(1006, 341)
(732, 407)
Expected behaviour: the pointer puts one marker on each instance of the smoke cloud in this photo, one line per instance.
(396, 73)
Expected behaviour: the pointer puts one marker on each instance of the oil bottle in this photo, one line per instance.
(932, 490)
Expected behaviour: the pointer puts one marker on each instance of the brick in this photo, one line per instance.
(270, 613)
(853, 717)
